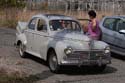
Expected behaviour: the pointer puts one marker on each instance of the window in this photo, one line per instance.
(41, 26)
(71, 25)
(109, 23)
(75, 26)
(55, 25)
(121, 25)
(32, 24)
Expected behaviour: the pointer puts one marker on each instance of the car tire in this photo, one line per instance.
(22, 52)
(53, 62)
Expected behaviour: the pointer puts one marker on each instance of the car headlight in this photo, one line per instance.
(107, 50)
(68, 51)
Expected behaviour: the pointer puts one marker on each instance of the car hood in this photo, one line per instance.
(78, 40)
(68, 35)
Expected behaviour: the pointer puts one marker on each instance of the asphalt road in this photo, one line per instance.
(38, 71)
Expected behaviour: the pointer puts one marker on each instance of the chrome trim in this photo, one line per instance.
(86, 62)
(85, 58)
(90, 55)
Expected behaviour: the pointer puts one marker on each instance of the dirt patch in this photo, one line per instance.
(9, 74)
(12, 71)
(13, 68)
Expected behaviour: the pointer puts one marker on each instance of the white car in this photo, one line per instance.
(60, 40)
(113, 32)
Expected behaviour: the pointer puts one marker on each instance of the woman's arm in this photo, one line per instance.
(94, 25)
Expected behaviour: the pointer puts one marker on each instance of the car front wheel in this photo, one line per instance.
(53, 62)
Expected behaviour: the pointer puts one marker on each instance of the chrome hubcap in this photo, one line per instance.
(21, 50)
(53, 62)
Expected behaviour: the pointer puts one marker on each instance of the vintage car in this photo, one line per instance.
(113, 32)
(60, 41)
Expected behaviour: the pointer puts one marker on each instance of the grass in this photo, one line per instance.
(9, 79)
(13, 79)
(9, 74)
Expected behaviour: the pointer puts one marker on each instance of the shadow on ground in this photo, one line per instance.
(40, 76)
(85, 71)
(65, 70)
(75, 70)
(36, 59)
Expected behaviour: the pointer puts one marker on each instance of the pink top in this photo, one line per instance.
(94, 34)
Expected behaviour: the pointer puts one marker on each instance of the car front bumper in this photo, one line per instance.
(86, 62)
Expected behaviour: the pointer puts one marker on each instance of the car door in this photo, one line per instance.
(108, 32)
(120, 38)
(30, 34)
(41, 38)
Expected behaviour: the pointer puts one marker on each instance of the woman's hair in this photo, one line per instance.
(92, 13)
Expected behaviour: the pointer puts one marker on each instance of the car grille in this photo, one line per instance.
(92, 55)
(96, 55)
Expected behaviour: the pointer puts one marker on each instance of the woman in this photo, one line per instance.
(93, 26)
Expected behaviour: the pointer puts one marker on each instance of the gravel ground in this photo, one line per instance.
(37, 70)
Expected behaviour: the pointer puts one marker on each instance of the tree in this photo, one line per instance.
(12, 3)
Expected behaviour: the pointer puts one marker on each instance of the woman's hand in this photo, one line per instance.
(85, 28)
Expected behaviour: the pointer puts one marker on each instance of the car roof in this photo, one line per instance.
(121, 16)
(53, 16)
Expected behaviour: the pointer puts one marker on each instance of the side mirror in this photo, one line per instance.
(122, 32)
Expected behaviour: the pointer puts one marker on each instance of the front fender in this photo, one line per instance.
(59, 49)
(100, 45)
(22, 38)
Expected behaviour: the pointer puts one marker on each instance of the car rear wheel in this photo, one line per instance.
(22, 50)
(53, 62)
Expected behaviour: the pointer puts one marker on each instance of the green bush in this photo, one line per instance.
(13, 79)
(12, 3)
(8, 23)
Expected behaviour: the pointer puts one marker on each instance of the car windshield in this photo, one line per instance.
(71, 25)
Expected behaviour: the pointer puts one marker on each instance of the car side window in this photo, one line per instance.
(109, 23)
(120, 25)
(75, 26)
(32, 24)
(41, 26)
